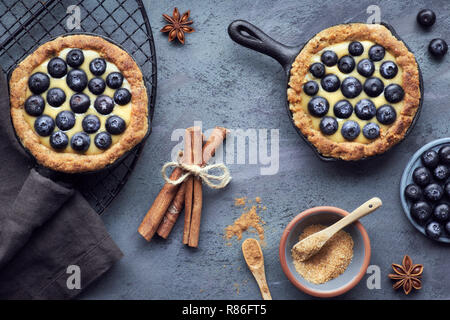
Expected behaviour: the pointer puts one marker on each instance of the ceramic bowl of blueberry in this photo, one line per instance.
(425, 190)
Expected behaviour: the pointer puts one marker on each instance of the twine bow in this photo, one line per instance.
(201, 172)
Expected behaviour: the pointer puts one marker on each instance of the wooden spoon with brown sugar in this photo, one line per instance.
(306, 248)
(255, 261)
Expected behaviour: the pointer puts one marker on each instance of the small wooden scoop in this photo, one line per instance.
(255, 261)
(306, 248)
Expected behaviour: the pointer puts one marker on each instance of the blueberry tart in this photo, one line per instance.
(78, 103)
(354, 90)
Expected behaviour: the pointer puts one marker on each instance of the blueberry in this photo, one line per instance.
(56, 97)
(430, 158)
(371, 131)
(441, 212)
(311, 88)
(80, 102)
(421, 176)
(57, 67)
(365, 109)
(317, 70)
(114, 80)
(373, 87)
(122, 96)
(97, 66)
(413, 192)
(90, 123)
(329, 83)
(115, 125)
(59, 140)
(438, 47)
(65, 120)
(433, 230)
(447, 228)
(77, 80)
(318, 106)
(388, 69)
(386, 114)
(80, 141)
(365, 67)
(394, 93)
(346, 64)
(433, 192)
(44, 125)
(328, 125)
(329, 58)
(444, 154)
(351, 87)
(350, 130)
(421, 211)
(441, 172)
(75, 58)
(104, 104)
(35, 105)
(103, 140)
(376, 52)
(38, 82)
(356, 48)
(97, 85)
(426, 18)
(343, 109)
(447, 189)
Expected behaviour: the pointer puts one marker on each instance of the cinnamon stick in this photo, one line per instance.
(214, 141)
(153, 218)
(172, 214)
(193, 144)
(155, 214)
(197, 196)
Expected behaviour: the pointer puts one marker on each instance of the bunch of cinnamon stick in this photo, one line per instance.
(166, 208)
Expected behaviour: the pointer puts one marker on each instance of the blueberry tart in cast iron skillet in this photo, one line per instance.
(78, 103)
(353, 90)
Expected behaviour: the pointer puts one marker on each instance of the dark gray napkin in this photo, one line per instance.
(45, 227)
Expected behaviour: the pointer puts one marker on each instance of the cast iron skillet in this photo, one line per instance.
(248, 35)
(121, 158)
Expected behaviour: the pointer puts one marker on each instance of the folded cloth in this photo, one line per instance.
(52, 243)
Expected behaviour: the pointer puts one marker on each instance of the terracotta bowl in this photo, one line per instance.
(354, 272)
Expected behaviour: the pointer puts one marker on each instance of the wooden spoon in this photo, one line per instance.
(255, 261)
(306, 248)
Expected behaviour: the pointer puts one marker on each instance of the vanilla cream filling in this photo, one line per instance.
(122, 111)
(341, 49)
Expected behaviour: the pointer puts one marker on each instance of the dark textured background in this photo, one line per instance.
(221, 83)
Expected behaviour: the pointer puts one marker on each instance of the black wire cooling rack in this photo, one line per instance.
(26, 24)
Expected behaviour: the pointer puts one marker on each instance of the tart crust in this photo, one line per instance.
(410, 84)
(74, 162)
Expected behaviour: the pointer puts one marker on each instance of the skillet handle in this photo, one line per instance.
(247, 35)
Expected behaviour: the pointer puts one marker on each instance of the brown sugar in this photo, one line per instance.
(240, 201)
(330, 262)
(252, 252)
(248, 219)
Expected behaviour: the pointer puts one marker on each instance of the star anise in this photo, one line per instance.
(178, 25)
(407, 275)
